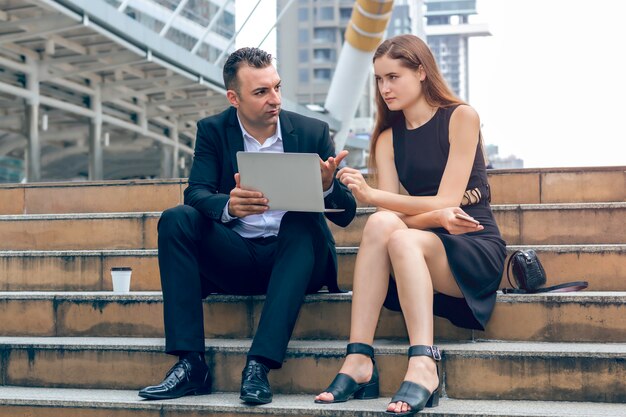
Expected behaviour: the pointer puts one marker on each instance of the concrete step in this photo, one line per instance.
(76, 270)
(558, 185)
(91, 197)
(532, 224)
(79, 231)
(69, 402)
(512, 186)
(559, 317)
(603, 266)
(88, 270)
(484, 370)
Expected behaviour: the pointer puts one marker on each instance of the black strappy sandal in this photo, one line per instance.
(344, 386)
(416, 395)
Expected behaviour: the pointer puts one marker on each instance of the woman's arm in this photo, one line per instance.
(443, 217)
(386, 173)
(464, 130)
(446, 218)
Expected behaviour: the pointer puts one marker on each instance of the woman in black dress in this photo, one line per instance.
(440, 239)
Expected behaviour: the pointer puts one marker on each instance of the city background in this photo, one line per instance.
(548, 83)
(544, 76)
(99, 101)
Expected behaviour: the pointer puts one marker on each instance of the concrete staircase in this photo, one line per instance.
(70, 347)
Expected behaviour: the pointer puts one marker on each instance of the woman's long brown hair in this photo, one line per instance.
(412, 52)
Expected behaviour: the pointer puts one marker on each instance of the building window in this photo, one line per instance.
(326, 13)
(181, 38)
(322, 74)
(324, 35)
(303, 75)
(209, 52)
(303, 35)
(345, 14)
(324, 55)
(303, 14)
(303, 55)
(467, 6)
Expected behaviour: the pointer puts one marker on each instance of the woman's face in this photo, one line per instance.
(399, 86)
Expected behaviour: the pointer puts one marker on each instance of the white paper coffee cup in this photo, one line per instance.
(121, 278)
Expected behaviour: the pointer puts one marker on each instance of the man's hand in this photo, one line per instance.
(245, 202)
(329, 167)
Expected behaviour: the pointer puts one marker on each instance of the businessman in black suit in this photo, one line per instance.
(226, 240)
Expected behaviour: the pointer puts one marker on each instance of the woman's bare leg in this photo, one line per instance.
(420, 267)
(371, 279)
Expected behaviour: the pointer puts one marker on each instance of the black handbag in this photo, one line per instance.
(530, 277)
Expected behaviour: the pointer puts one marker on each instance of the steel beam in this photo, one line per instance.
(175, 151)
(16, 66)
(232, 40)
(95, 137)
(82, 111)
(33, 161)
(208, 29)
(174, 15)
(22, 36)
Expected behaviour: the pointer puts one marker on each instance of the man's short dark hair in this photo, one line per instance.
(253, 57)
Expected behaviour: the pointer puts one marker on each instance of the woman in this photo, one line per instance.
(440, 239)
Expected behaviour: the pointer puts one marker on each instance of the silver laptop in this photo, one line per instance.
(290, 181)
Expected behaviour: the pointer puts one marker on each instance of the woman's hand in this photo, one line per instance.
(457, 222)
(354, 180)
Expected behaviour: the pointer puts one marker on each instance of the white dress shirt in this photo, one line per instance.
(264, 224)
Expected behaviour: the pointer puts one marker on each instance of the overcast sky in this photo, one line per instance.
(550, 83)
(260, 23)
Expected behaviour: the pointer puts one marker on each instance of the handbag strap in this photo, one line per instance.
(566, 287)
(508, 268)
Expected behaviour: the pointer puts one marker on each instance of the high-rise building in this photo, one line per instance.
(310, 37)
(406, 17)
(309, 40)
(448, 30)
(446, 26)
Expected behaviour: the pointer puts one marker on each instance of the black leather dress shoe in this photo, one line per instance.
(183, 379)
(255, 388)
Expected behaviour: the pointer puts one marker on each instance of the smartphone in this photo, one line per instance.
(466, 217)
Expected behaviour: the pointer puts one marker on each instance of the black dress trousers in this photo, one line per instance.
(199, 256)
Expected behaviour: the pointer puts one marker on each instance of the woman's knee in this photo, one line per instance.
(381, 225)
(415, 242)
(409, 241)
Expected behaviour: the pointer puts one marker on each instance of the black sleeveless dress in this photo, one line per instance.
(476, 259)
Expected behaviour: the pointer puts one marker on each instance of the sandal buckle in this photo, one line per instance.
(436, 353)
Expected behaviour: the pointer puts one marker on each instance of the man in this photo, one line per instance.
(226, 240)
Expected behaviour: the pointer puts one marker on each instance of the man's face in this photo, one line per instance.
(258, 98)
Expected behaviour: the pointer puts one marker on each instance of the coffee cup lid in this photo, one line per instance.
(121, 268)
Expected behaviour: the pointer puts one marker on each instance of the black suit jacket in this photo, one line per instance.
(218, 140)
